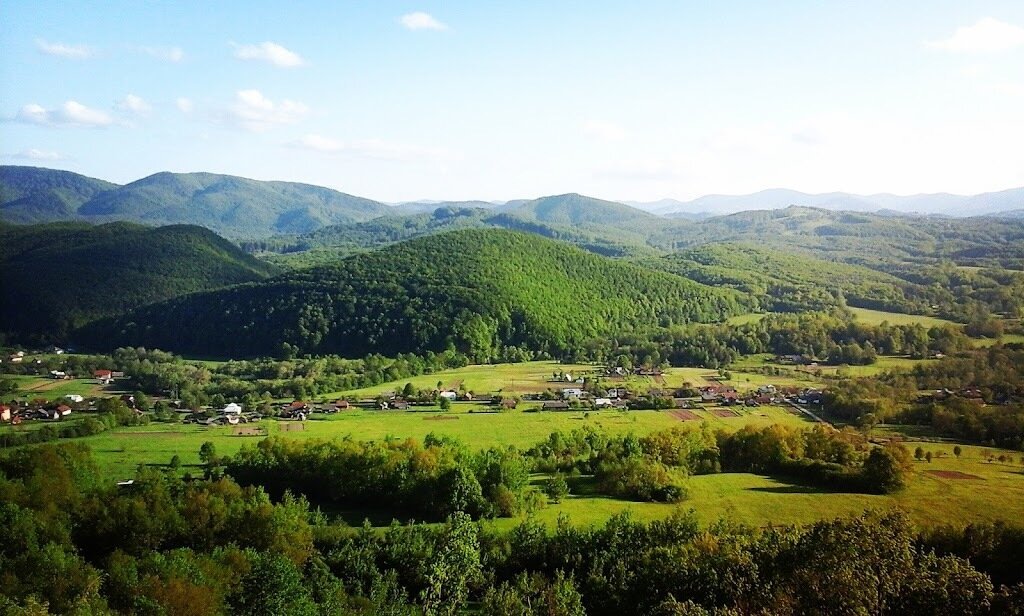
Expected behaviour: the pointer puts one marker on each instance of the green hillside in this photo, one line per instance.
(791, 282)
(231, 206)
(35, 194)
(59, 276)
(861, 237)
(478, 291)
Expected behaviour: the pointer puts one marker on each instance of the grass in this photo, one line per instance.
(1005, 339)
(875, 317)
(758, 500)
(119, 451)
(32, 387)
(745, 319)
(512, 378)
(807, 375)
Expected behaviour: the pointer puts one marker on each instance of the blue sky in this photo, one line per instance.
(488, 100)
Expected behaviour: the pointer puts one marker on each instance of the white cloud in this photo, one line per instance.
(62, 50)
(987, 36)
(184, 105)
(1008, 88)
(422, 21)
(71, 113)
(604, 131)
(319, 143)
(36, 154)
(168, 54)
(134, 105)
(377, 149)
(256, 112)
(271, 52)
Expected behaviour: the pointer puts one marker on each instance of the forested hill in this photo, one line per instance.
(861, 237)
(478, 291)
(793, 282)
(232, 206)
(58, 276)
(34, 194)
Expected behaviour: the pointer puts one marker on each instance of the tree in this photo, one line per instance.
(957, 450)
(928, 456)
(445, 404)
(883, 471)
(556, 488)
(208, 454)
(455, 566)
(919, 453)
(408, 391)
(272, 587)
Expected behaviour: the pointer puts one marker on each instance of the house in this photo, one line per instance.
(104, 376)
(509, 403)
(400, 405)
(296, 406)
(448, 394)
(556, 405)
(232, 409)
(75, 398)
(57, 350)
(129, 400)
(572, 392)
(601, 403)
(680, 403)
(58, 374)
(16, 358)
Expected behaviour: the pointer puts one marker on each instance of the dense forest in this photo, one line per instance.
(167, 545)
(476, 291)
(59, 276)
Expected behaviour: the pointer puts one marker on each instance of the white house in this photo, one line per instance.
(602, 402)
(75, 398)
(232, 409)
(572, 392)
(451, 395)
(58, 374)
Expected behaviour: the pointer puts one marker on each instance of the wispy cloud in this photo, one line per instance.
(269, 52)
(71, 113)
(254, 111)
(134, 105)
(378, 149)
(167, 54)
(603, 131)
(184, 105)
(987, 36)
(36, 154)
(422, 21)
(63, 50)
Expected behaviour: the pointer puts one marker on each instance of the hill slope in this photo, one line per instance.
(34, 194)
(59, 276)
(232, 206)
(791, 282)
(477, 291)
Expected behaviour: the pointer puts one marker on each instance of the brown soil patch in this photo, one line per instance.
(660, 380)
(247, 431)
(724, 413)
(439, 417)
(953, 475)
(684, 415)
(292, 427)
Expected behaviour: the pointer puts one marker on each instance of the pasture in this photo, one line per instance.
(875, 317)
(932, 497)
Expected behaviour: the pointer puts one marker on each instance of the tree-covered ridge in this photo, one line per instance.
(862, 237)
(479, 291)
(57, 277)
(33, 194)
(791, 282)
(232, 206)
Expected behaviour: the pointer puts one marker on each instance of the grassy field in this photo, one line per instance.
(118, 452)
(874, 317)
(510, 378)
(995, 492)
(806, 375)
(32, 387)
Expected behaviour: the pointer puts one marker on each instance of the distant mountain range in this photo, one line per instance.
(937, 203)
(241, 208)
